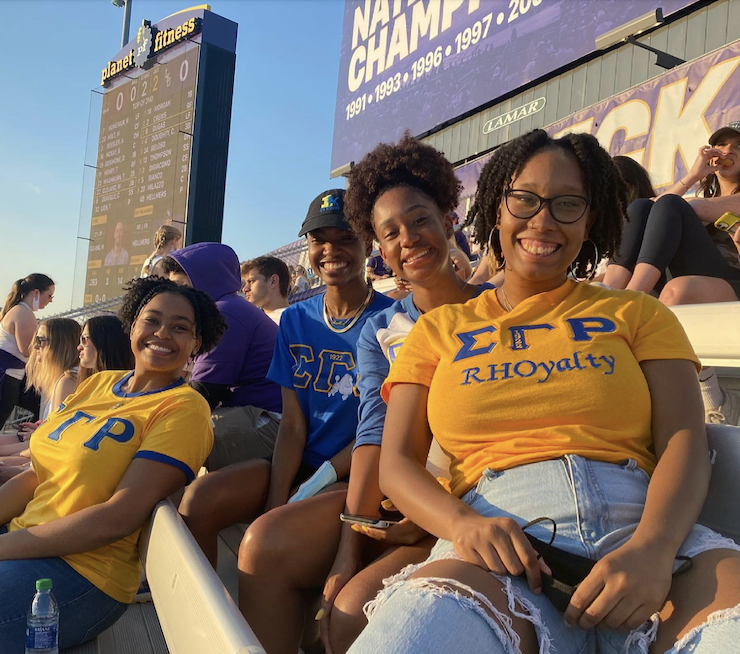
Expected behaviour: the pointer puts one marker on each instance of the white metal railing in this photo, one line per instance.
(195, 611)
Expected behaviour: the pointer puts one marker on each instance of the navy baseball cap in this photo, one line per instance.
(327, 210)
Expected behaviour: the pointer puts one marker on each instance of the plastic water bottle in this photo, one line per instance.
(42, 627)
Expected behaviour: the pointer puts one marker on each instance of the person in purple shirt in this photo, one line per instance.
(233, 376)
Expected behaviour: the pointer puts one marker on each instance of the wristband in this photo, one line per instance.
(684, 184)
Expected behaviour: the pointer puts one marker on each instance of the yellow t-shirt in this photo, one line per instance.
(83, 450)
(559, 374)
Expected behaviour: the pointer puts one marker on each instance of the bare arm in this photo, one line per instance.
(341, 460)
(22, 326)
(15, 494)
(289, 446)
(705, 163)
(709, 209)
(628, 585)
(143, 485)
(64, 389)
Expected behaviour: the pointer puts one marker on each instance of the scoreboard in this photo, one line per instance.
(145, 158)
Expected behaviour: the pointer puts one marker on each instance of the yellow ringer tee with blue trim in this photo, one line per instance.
(560, 374)
(81, 452)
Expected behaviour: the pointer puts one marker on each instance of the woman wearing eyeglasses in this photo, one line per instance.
(17, 327)
(571, 402)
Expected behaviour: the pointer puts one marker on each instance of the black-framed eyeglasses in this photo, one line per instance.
(563, 208)
(40, 341)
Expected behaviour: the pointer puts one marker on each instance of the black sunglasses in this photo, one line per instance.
(563, 208)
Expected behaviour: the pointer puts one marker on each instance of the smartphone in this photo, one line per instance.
(376, 523)
(727, 222)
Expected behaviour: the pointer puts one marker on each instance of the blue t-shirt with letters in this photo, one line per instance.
(321, 367)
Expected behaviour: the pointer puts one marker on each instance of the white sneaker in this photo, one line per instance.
(728, 413)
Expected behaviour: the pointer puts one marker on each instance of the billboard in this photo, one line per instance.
(663, 123)
(415, 64)
(163, 137)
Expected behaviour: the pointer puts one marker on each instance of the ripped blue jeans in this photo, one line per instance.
(597, 507)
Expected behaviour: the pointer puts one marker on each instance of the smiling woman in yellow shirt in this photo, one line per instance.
(121, 443)
(561, 400)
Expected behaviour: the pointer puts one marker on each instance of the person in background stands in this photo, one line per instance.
(265, 283)
(376, 268)
(17, 327)
(232, 377)
(166, 239)
(300, 281)
(461, 239)
(679, 236)
(51, 371)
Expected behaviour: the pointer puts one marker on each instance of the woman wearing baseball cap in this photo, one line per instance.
(678, 236)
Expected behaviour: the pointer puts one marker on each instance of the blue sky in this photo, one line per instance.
(281, 127)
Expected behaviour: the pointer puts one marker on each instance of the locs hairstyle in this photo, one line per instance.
(601, 179)
(209, 324)
(406, 163)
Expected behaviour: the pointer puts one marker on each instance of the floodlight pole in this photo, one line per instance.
(126, 22)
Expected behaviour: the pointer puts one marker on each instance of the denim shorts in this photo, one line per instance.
(596, 507)
(84, 610)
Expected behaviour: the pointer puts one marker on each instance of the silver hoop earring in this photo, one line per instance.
(583, 272)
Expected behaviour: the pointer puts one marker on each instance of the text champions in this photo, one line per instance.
(387, 31)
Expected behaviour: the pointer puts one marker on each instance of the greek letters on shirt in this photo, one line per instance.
(334, 375)
(481, 341)
(117, 429)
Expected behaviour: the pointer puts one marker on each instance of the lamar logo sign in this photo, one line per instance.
(515, 114)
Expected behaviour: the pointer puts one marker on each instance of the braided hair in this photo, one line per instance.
(601, 179)
(209, 324)
(406, 163)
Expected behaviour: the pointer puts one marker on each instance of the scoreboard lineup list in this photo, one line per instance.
(143, 171)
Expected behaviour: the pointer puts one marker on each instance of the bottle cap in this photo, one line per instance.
(43, 584)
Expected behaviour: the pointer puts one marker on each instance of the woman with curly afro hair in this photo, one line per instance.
(117, 446)
(540, 372)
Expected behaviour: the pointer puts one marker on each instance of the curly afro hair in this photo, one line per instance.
(209, 323)
(406, 163)
(604, 187)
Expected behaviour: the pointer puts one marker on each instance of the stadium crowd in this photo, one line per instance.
(468, 426)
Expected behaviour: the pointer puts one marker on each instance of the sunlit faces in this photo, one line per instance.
(163, 334)
(730, 148)
(256, 287)
(45, 297)
(87, 350)
(540, 248)
(412, 233)
(41, 342)
(337, 255)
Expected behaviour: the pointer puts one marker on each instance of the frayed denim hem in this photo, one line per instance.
(469, 598)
